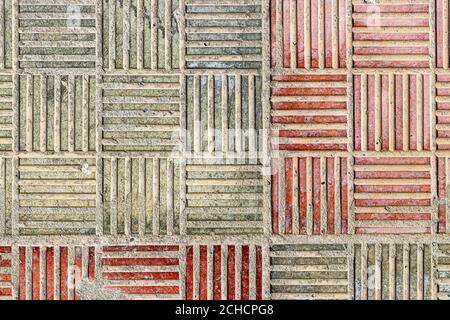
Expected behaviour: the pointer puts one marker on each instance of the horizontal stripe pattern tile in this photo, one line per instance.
(142, 271)
(223, 34)
(141, 113)
(57, 36)
(57, 196)
(309, 271)
(392, 195)
(309, 112)
(223, 199)
(391, 34)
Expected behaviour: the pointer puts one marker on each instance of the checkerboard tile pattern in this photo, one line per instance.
(224, 149)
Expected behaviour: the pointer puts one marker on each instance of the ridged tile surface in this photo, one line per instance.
(224, 149)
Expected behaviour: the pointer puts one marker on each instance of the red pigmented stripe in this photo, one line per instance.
(217, 272)
(371, 112)
(203, 285)
(286, 34)
(91, 264)
(400, 160)
(258, 273)
(5, 277)
(314, 133)
(328, 34)
(140, 261)
(391, 188)
(231, 272)
(391, 174)
(391, 64)
(331, 105)
(245, 273)
(344, 195)
(392, 202)
(426, 111)
(443, 77)
(443, 119)
(78, 270)
(310, 78)
(412, 112)
(390, 50)
(314, 33)
(443, 134)
(330, 195)
(5, 249)
(322, 146)
(299, 37)
(342, 32)
(35, 273)
(140, 275)
(384, 22)
(289, 195)
(189, 273)
(443, 91)
(308, 91)
(50, 273)
(147, 289)
(5, 292)
(385, 36)
(22, 274)
(442, 146)
(64, 273)
(384, 112)
(316, 195)
(399, 8)
(357, 113)
(139, 248)
(5, 263)
(274, 198)
(439, 33)
(309, 119)
(393, 216)
(398, 112)
(273, 32)
(302, 186)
